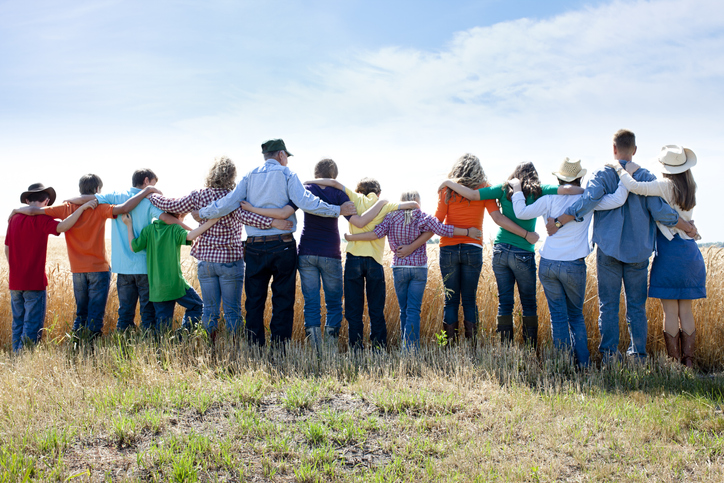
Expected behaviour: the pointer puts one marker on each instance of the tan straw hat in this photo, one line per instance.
(569, 170)
(676, 159)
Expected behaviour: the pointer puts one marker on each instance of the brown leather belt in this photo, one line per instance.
(287, 237)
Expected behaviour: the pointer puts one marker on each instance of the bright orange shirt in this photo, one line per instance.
(463, 213)
(86, 240)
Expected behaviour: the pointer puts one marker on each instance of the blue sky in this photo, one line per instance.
(395, 90)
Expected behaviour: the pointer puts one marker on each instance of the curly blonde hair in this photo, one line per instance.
(222, 174)
(466, 171)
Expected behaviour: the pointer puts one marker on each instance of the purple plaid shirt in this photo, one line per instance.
(400, 234)
(222, 242)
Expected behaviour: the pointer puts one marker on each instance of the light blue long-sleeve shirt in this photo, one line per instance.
(270, 186)
(627, 233)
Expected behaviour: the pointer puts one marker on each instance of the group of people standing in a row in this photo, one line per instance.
(629, 204)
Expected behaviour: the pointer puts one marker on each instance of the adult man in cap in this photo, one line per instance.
(271, 254)
(625, 238)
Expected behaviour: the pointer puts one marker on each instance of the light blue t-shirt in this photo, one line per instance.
(123, 260)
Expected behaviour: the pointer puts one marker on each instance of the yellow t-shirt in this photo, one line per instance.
(375, 248)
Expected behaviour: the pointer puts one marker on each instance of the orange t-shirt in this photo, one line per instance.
(86, 240)
(463, 213)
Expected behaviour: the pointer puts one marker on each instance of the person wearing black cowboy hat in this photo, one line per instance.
(26, 243)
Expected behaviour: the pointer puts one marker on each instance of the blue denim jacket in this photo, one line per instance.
(270, 186)
(627, 233)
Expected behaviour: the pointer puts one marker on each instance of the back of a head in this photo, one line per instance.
(140, 175)
(684, 189)
(37, 197)
(625, 141)
(410, 196)
(367, 186)
(529, 180)
(222, 174)
(326, 168)
(90, 184)
(466, 171)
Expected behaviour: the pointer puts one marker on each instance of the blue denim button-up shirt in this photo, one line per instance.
(627, 233)
(270, 186)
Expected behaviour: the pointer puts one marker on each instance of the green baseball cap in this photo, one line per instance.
(274, 145)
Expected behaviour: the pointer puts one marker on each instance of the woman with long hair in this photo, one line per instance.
(514, 248)
(219, 250)
(678, 272)
(461, 257)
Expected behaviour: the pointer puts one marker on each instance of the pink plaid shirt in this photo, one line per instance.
(222, 242)
(400, 234)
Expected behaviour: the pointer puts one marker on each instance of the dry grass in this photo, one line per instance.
(129, 410)
(709, 313)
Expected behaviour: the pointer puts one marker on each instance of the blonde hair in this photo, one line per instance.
(409, 196)
(222, 174)
(466, 171)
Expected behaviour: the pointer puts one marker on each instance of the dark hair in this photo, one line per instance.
(367, 186)
(684, 189)
(140, 175)
(90, 184)
(624, 140)
(529, 181)
(326, 168)
(575, 182)
(39, 196)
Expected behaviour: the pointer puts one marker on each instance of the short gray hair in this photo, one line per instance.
(272, 154)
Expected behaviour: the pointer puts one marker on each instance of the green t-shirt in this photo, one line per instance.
(504, 236)
(162, 243)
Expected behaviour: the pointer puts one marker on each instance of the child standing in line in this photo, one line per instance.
(26, 243)
(410, 273)
(363, 272)
(167, 286)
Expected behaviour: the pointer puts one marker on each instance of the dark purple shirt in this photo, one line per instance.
(320, 235)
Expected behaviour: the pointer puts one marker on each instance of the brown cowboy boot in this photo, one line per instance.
(673, 346)
(687, 348)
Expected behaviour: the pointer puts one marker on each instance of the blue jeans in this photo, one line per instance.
(460, 267)
(133, 288)
(312, 269)
(164, 311)
(634, 276)
(275, 261)
(564, 283)
(91, 295)
(221, 282)
(513, 265)
(364, 274)
(28, 308)
(410, 288)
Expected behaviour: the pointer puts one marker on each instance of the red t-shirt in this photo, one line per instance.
(27, 239)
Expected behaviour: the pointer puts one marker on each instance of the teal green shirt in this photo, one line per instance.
(504, 236)
(162, 243)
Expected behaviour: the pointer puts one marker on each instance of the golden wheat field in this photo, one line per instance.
(709, 312)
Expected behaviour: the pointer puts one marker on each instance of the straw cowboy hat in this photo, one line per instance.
(569, 170)
(37, 188)
(676, 159)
